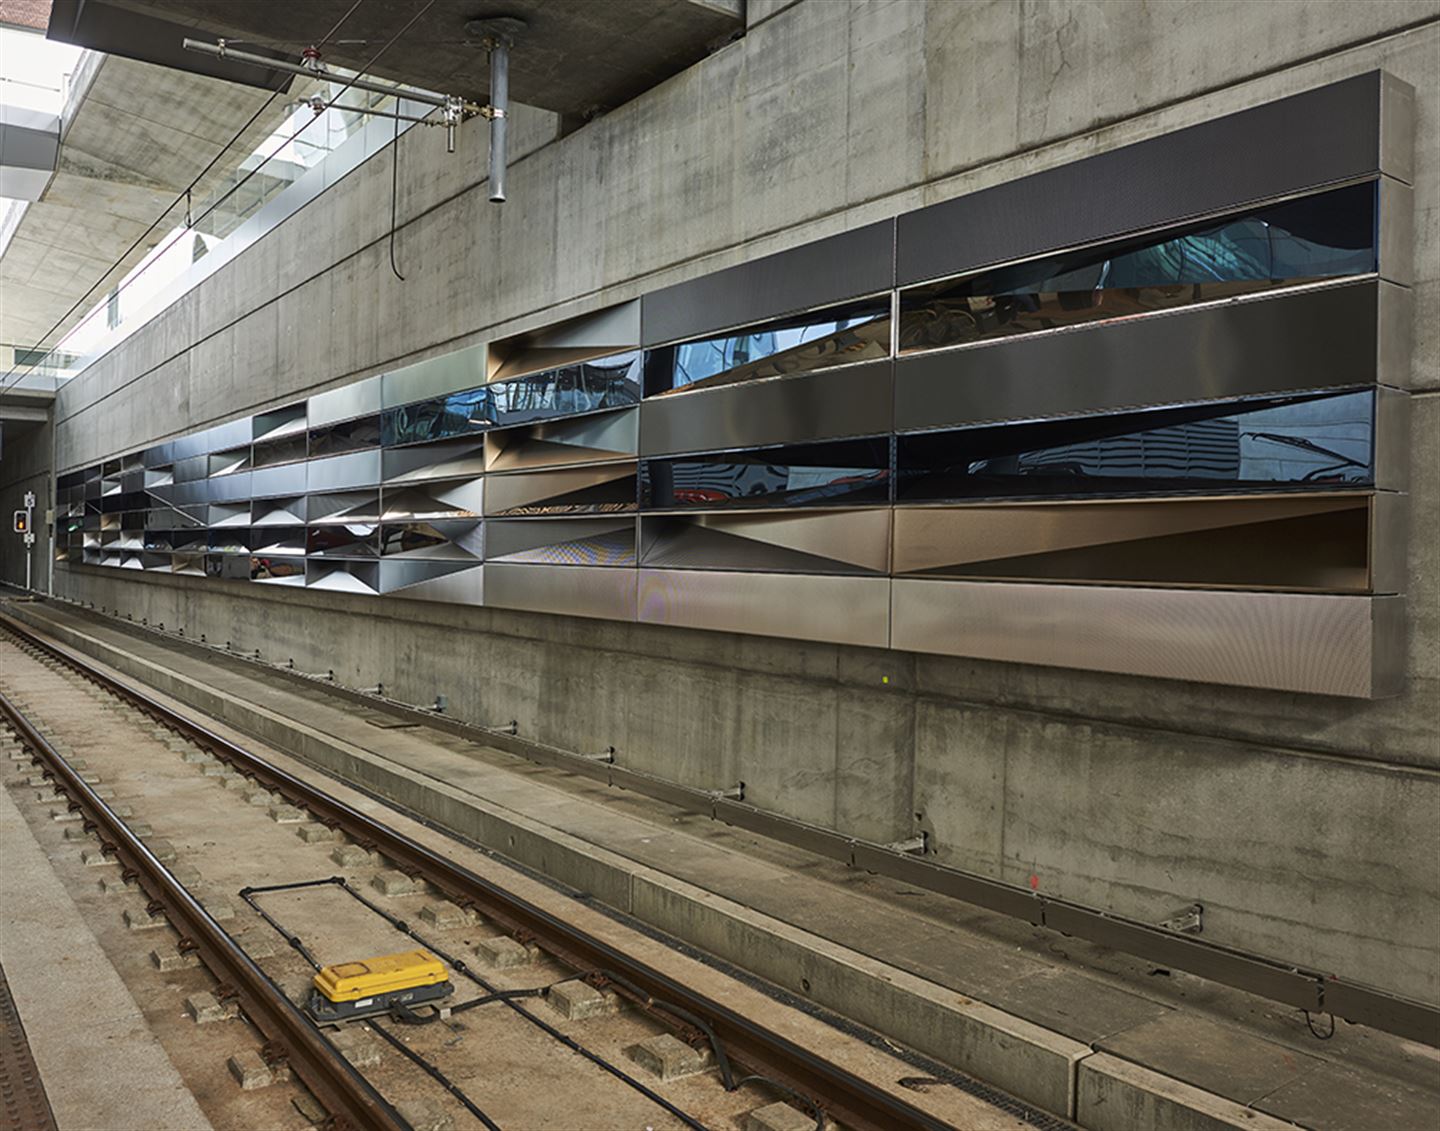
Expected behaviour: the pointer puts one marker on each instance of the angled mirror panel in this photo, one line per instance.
(1314, 542)
(344, 506)
(278, 423)
(439, 540)
(400, 574)
(834, 474)
(1306, 240)
(830, 542)
(275, 570)
(343, 540)
(448, 459)
(1320, 441)
(582, 542)
(460, 587)
(569, 390)
(346, 436)
(454, 498)
(587, 439)
(858, 331)
(854, 401)
(457, 414)
(343, 577)
(281, 450)
(600, 489)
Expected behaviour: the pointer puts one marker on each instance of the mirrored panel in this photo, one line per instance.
(1320, 440)
(455, 415)
(587, 386)
(349, 436)
(844, 472)
(858, 331)
(1325, 236)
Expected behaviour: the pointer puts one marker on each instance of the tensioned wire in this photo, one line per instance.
(14, 372)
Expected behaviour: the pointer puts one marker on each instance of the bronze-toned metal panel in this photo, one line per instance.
(1319, 644)
(839, 610)
(822, 542)
(558, 443)
(855, 400)
(576, 591)
(600, 489)
(1318, 337)
(1320, 137)
(1317, 542)
(840, 267)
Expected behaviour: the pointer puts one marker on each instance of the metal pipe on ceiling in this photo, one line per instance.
(222, 51)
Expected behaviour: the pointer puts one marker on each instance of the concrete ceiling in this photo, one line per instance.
(575, 56)
(133, 139)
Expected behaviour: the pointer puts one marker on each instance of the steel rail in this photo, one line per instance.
(1287, 983)
(350, 1099)
(850, 1100)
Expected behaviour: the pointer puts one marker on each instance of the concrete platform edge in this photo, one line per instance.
(1035, 1064)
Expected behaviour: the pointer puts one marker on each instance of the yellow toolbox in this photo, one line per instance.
(377, 985)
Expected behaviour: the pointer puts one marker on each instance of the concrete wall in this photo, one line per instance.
(1308, 827)
(25, 465)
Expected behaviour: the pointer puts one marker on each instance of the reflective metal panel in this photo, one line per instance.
(827, 542)
(1328, 235)
(608, 488)
(576, 591)
(569, 390)
(585, 439)
(404, 573)
(435, 377)
(339, 473)
(852, 401)
(1321, 137)
(289, 479)
(839, 610)
(446, 459)
(844, 266)
(563, 541)
(1301, 340)
(1284, 542)
(360, 399)
(464, 587)
(841, 472)
(1314, 441)
(230, 488)
(1282, 641)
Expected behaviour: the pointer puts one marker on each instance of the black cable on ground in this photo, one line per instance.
(460, 965)
(436, 1075)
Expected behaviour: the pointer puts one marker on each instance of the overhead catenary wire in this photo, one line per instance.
(13, 374)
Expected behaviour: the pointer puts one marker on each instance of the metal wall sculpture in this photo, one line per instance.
(1145, 413)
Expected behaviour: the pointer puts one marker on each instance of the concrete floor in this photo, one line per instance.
(1019, 1007)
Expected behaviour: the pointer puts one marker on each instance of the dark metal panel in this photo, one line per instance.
(840, 267)
(1323, 337)
(1411, 1019)
(1319, 137)
(1193, 955)
(850, 401)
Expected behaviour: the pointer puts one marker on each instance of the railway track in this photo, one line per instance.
(409, 892)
